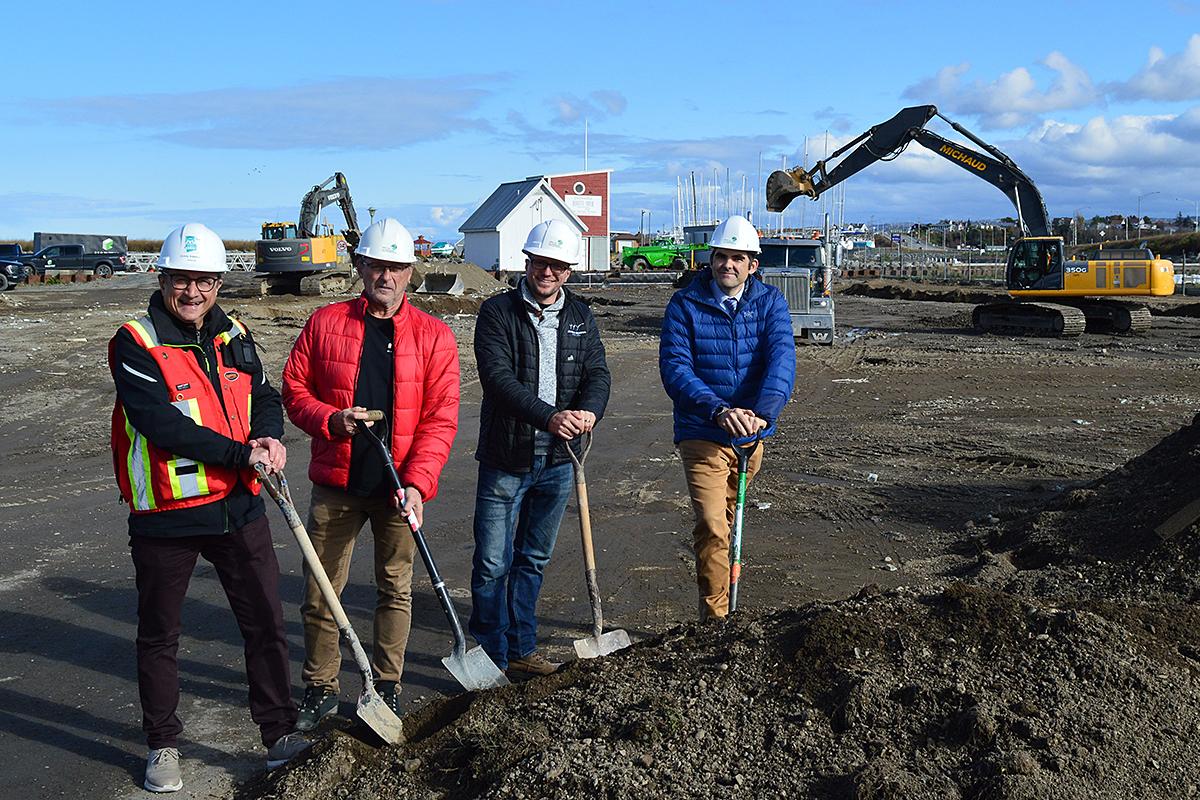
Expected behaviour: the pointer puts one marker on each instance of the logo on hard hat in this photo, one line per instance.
(392, 247)
(189, 244)
(733, 238)
(557, 243)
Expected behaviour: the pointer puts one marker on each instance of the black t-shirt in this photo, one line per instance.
(376, 372)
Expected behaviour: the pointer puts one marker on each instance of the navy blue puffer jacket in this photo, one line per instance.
(708, 360)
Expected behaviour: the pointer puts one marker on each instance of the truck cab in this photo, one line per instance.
(802, 270)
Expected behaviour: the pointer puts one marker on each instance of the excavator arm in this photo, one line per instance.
(888, 139)
(321, 196)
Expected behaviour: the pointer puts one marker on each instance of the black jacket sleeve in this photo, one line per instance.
(266, 406)
(141, 391)
(596, 385)
(496, 362)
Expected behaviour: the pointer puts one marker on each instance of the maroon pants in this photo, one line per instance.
(245, 562)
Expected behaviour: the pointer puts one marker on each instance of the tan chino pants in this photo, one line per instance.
(711, 470)
(335, 519)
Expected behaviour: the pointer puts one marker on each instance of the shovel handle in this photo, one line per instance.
(439, 585)
(745, 451)
(278, 489)
(585, 444)
(374, 416)
(585, 532)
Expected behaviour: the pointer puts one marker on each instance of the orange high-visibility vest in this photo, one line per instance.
(152, 479)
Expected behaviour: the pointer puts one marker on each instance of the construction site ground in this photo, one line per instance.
(952, 586)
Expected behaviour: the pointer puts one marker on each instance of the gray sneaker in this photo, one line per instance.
(162, 770)
(317, 704)
(286, 748)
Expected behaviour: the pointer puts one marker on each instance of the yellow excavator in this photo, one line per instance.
(1050, 295)
(300, 258)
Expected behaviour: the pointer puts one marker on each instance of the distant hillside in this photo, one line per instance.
(1171, 245)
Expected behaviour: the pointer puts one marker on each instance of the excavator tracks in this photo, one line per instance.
(1029, 319)
(1114, 316)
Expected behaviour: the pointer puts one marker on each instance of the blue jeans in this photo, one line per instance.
(516, 524)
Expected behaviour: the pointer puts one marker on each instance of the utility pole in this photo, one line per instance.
(1139, 212)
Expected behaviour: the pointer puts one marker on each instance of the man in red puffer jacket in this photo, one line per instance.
(374, 352)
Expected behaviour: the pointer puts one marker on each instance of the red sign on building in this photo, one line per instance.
(586, 194)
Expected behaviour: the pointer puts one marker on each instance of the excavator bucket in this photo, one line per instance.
(783, 186)
(441, 283)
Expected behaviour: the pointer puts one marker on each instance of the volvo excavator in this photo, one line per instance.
(1050, 295)
(299, 258)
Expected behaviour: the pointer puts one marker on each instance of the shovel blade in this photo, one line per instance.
(379, 717)
(602, 645)
(475, 670)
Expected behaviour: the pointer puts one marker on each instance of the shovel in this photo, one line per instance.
(371, 707)
(598, 644)
(473, 668)
(744, 452)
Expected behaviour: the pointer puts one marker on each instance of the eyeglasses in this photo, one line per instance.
(204, 284)
(557, 269)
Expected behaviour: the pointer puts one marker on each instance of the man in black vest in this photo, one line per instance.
(545, 382)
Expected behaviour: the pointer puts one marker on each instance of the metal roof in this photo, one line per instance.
(499, 205)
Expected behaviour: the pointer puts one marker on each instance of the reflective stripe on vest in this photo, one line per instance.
(156, 480)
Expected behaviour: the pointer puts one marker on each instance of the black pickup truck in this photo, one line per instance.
(12, 271)
(73, 257)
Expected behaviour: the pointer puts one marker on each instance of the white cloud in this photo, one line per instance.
(1123, 141)
(611, 101)
(341, 114)
(444, 215)
(1011, 100)
(600, 104)
(1174, 77)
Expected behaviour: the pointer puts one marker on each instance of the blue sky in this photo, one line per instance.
(137, 120)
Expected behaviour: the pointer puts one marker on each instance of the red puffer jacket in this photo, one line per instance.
(322, 372)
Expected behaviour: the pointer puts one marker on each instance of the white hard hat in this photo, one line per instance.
(736, 233)
(553, 239)
(387, 240)
(192, 247)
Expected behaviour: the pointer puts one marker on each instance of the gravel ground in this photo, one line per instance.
(1046, 645)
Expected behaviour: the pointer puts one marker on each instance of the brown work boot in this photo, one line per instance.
(531, 666)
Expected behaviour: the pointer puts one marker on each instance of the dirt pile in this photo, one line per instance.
(1068, 666)
(908, 291)
(475, 280)
(946, 692)
(1132, 530)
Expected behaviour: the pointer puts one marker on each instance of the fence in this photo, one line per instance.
(923, 266)
(239, 261)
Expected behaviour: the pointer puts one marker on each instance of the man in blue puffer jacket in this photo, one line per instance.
(728, 362)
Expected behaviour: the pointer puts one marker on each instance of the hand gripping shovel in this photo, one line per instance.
(598, 644)
(371, 707)
(473, 668)
(744, 452)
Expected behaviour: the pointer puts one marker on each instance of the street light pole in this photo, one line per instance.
(1139, 212)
